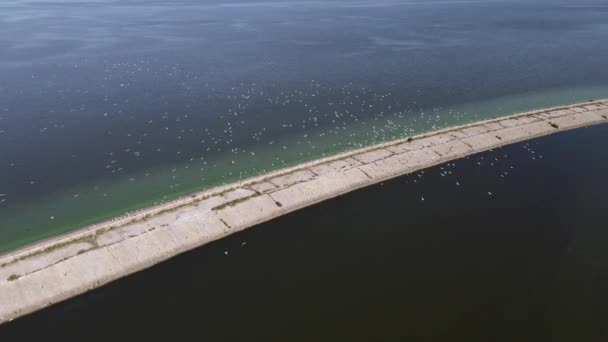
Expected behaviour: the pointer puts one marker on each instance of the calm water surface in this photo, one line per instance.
(508, 245)
(108, 106)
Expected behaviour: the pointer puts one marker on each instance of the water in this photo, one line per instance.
(108, 106)
(508, 245)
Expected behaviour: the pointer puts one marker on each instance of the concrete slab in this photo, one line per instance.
(513, 122)
(248, 213)
(318, 189)
(372, 156)
(538, 128)
(334, 166)
(263, 187)
(292, 178)
(527, 120)
(475, 130)
(402, 147)
(602, 112)
(415, 160)
(453, 148)
(512, 134)
(557, 113)
(577, 120)
(483, 141)
(493, 126)
(385, 168)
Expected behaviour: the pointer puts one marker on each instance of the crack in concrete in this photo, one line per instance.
(225, 223)
(290, 185)
(466, 143)
(94, 246)
(365, 173)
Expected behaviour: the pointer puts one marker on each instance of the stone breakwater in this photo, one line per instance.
(53, 270)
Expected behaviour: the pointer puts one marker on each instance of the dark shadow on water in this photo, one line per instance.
(509, 245)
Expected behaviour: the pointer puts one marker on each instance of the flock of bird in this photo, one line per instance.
(223, 134)
(496, 161)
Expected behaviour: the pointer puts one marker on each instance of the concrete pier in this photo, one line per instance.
(53, 270)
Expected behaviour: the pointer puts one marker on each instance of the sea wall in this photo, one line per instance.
(53, 270)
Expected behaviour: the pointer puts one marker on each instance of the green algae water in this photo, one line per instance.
(110, 106)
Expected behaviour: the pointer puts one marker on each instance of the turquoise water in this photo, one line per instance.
(110, 106)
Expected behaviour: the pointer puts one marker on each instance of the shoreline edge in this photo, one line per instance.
(38, 275)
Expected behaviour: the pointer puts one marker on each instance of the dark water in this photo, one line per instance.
(107, 106)
(508, 245)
